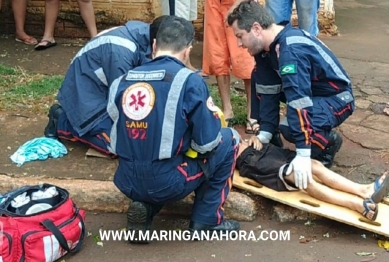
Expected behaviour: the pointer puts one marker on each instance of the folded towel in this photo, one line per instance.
(39, 148)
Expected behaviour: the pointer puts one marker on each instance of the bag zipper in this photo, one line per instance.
(76, 215)
(8, 236)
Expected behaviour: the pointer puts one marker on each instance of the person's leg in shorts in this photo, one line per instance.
(216, 60)
(264, 165)
(242, 64)
(333, 188)
(220, 52)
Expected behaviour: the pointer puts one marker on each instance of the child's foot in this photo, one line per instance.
(379, 189)
(369, 209)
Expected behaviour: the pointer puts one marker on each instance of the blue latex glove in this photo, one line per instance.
(38, 149)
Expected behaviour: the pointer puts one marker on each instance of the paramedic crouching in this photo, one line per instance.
(82, 114)
(298, 68)
(161, 110)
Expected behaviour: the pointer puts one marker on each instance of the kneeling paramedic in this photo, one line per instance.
(82, 114)
(298, 68)
(161, 110)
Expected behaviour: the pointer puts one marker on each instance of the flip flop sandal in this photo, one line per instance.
(380, 190)
(49, 44)
(367, 210)
(252, 130)
(27, 40)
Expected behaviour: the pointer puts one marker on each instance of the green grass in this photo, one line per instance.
(238, 101)
(23, 91)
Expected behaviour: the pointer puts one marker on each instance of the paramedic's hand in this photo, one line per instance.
(301, 165)
(255, 143)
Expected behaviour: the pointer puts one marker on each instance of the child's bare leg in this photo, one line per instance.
(329, 195)
(336, 181)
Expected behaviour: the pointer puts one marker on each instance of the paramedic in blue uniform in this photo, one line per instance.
(160, 110)
(82, 115)
(298, 66)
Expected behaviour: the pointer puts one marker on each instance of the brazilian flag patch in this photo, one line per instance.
(288, 69)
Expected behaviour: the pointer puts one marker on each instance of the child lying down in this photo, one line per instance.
(267, 164)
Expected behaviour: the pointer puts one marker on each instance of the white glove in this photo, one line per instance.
(264, 137)
(301, 165)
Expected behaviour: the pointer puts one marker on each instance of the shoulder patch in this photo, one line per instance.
(211, 105)
(288, 69)
(138, 100)
(156, 75)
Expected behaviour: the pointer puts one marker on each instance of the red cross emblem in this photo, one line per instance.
(137, 100)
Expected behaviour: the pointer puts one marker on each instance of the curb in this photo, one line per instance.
(103, 196)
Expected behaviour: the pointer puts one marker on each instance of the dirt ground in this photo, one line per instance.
(361, 47)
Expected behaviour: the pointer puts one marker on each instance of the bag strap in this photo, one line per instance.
(48, 224)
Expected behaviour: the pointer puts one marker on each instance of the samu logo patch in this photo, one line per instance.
(288, 69)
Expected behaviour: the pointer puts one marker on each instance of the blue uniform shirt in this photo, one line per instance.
(302, 67)
(84, 91)
(160, 110)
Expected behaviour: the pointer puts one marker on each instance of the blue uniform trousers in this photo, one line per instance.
(256, 99)
(328, 113)
(166, 181)
(97, 137)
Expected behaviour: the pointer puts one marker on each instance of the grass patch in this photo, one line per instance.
(23, 91)
(35, 93)
(238, 101)
(239, 104)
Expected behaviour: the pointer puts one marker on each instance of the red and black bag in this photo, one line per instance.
(43, 236)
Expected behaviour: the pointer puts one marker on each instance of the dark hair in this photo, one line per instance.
(249, 12)
(154, 27)
(174, 34)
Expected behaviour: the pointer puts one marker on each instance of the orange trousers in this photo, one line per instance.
(220, 46)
